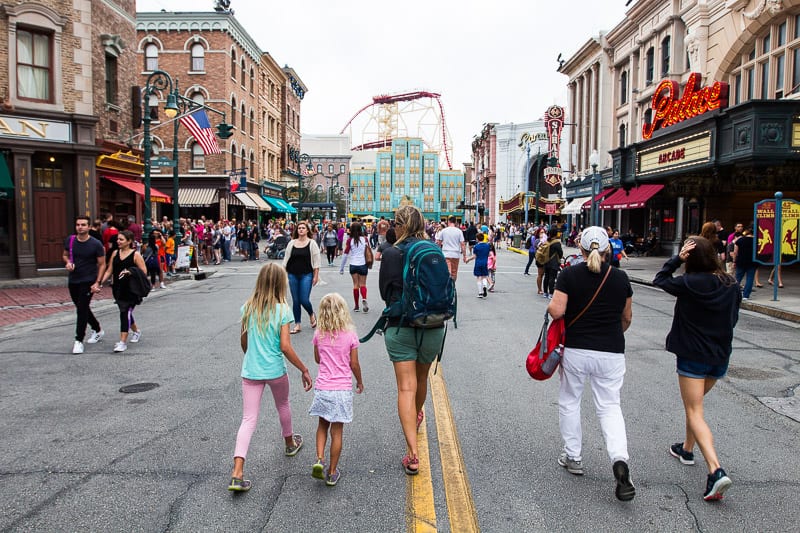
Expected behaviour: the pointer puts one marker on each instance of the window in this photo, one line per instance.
(111, 79)
(779, 71)
(243, 118)
(198, 98)
(151, 57)
(737, 95)
(623, 87)
(244, 73)
(341, 169)
(330, 169)
(622, 136)
(233, 111)
(233, 156)
(649, 66)
(33, 65)
(665, 45)
(771, 68)
(751, 84)
(782, 34)
(244, 159)
(252, 164)
(233, 64)
(319, 168)
(765, 43)
(252, 122)
(765, 80)
(796, 70)
(252, 80)
(198, 58)
(198, 157)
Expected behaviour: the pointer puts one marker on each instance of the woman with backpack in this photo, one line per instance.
(411, 350)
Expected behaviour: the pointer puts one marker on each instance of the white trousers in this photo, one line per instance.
(605, 371)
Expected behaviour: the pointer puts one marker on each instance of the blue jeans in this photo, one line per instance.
(300, 286)
(749, 273)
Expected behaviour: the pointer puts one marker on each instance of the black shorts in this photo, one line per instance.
(359, 269)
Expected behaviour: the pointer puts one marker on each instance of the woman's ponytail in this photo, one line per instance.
(594, 261)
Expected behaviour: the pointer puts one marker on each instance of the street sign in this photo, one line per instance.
(550, 209)
(163, 162)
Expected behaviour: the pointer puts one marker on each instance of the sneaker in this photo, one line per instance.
(135, 336)
(717, 484)
(625, 490)
(95, 336)
(677, 451)
(120, 347)
(485, 291)
(355, 309)
(573, 466)
(297, 443)
(480, 295)
(318, 470)
(364, 309)
(239, 485)
(163, 286)
(77, 347)
(332, 479)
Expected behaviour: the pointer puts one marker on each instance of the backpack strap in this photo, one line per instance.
(379, 327)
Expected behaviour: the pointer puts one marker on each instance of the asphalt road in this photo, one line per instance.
(78, 455)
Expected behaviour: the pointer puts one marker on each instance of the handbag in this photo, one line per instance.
(545, 357)
(368, 257)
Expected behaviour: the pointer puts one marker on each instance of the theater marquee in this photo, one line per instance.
(669, 156)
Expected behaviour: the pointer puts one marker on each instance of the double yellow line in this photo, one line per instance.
(420, 509)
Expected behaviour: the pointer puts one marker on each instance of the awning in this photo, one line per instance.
(632, 199)
(197, 197)
(6, 185)
(588, 203)
(262, 205)
(252, 201)
(138, 188)
(279, 205)
(574, 206)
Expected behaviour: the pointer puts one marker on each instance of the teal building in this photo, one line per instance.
(406, 173)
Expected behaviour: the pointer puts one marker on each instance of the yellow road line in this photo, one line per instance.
(460, 505)
(420, 511)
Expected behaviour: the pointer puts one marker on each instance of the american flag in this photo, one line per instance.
(198, 125)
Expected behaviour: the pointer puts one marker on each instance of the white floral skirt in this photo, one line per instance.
(333, 405)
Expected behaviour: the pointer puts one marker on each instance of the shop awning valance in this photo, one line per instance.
(574, 206)
(197, 197)
(632, 199)
(588, 203)
(251, 201)
(138, 188)
(279, 205)
(6, 185)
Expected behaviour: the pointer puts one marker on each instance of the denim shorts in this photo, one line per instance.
(361, 270)
(693, 369)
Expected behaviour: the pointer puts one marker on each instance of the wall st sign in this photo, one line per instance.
(669, 108)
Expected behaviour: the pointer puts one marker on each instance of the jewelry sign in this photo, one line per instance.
(554, 122)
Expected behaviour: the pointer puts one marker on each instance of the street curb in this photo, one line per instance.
(750, 306)
(61, 281)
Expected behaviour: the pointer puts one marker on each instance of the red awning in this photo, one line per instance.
(632, 199)
(138, 187)
(597, 198)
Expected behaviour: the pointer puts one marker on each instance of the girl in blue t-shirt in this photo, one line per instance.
(480, 253)
(265, 341)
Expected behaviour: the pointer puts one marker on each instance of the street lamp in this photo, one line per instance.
(594, 160)
(156, 82)
(299, 159)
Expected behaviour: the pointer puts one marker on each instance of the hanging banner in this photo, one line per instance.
(768, 239)
(554, 122)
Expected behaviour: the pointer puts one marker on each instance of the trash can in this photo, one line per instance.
(516, 241)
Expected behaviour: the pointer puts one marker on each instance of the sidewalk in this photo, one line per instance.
(643, 269)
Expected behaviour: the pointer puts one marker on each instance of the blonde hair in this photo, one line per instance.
(333, 315)
(410, 223)
(594, 258)
(270, 290)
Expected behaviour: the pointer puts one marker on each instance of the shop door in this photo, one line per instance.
(50, 215)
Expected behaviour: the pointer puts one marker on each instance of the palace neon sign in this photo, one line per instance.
(669, 109)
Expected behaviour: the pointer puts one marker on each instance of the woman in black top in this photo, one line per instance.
(594, 349)
(701, 337)
(551, 267)
(302, 264)
(119, 270)
(743, 259)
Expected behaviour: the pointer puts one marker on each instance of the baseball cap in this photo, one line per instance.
(594, 235)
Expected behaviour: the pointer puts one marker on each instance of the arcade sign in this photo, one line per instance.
(669, 108)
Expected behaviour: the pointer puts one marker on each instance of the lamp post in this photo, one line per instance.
(156, 82)
(299, 159)
(594, 160)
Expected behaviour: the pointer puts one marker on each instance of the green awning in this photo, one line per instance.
(279, 205)
(6, 185)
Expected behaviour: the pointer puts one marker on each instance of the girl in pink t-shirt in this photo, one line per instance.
(336, 352)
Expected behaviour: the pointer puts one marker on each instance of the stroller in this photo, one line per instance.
(571, 260)
(277, 249)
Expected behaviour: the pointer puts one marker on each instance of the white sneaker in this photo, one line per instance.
(120, 347)
(77, 347)
(95, 336)
(163, 286)
(364, 306)
(135, 336)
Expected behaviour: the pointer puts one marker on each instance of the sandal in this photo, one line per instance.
(239, 485)
(292, 449)
(411, 465)
(312, 319)
(294, 330)
(420, 418)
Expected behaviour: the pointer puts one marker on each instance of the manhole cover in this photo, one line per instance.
(742, 372)
(138, 387)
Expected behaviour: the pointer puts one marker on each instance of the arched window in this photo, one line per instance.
(648, 116)
(770, 68)
(198, 157)
(244, 72)
(198, 98)
(252, 81)
(665, 45)
(330, 169)
(244, 116)
(623, 87)
(198, 58)
(244, 159)
(233, 64)
(233, 111)
(151, 57)
(252, 123)
(622, 136)
(233, 156)
(649, 68)
(319, 168)
(252, 164)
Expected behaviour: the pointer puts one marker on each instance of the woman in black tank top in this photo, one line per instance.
(119, 270)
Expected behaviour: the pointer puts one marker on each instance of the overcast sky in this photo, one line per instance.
(491, 60)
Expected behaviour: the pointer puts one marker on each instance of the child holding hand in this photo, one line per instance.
(336, 351)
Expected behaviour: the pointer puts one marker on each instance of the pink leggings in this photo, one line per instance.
(252, 391)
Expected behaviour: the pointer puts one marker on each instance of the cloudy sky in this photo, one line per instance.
(491, 60)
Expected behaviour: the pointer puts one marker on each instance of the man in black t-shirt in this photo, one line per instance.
(84, 259)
